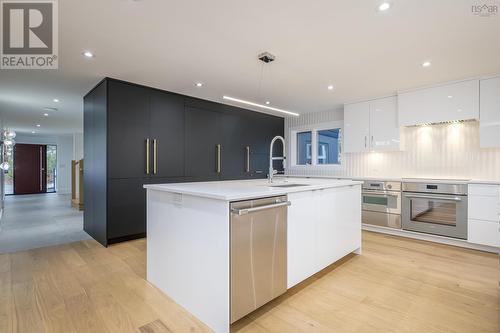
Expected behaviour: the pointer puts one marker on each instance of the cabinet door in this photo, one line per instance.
(456, 101)
(490, 113)
(233, 154)
(484, 232)
(203, 134)
(167, 131)
(301, 239)
(126, 208)
(128, 129)
(384, 127)
(357, 127)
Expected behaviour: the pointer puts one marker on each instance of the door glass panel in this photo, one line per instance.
(51, 168)
(433, 211)
(304, 148)
(383, 201)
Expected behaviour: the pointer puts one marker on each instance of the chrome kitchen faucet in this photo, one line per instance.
(272, 172)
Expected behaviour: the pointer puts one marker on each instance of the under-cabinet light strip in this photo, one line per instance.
(237, 100)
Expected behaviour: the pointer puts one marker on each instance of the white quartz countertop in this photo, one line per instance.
(235, 190)
(407, 179)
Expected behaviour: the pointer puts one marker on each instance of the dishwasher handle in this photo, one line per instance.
(259, 208)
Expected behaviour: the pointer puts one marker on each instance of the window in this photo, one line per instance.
(316, 145)
(329, 146)
(304, 148)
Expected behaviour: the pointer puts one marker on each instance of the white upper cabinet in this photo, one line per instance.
(356, 127)
(490, 113)
(456, 101)
(371, 126)
(384, 127)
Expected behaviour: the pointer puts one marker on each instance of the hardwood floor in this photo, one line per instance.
(396, 285)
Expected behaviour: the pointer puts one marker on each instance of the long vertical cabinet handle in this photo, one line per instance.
(371, 145)
(155, 156)
(248, 159)
(147, 156)
(41, 169)
(217, 167)
(365, 141)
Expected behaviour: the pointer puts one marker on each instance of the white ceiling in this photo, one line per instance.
(173, 44)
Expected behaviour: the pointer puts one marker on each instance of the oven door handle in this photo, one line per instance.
(383, 195)
(456, 199)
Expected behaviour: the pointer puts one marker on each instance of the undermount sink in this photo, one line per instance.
(289, 185)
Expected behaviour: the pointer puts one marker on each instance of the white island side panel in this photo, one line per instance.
(188, 254)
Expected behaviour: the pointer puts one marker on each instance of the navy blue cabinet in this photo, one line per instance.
(136, 135)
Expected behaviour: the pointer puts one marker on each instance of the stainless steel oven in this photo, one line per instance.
(381, 202)
(435, 208)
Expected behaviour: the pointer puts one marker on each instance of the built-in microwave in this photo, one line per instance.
(381, 202)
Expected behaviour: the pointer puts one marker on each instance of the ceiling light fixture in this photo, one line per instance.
(46, 114)
(449, 96)
(384, 6)
(56, 100)
(38, 125)
(33, 132)
(88, 54)
(267, 102)
(330, 87)
(426, 64)
(237, 100)
(199, 84)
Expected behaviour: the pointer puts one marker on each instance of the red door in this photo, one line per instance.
(30, 165)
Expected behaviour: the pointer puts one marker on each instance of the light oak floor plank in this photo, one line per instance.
(396, 285)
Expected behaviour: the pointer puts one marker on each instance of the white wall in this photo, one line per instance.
(64, 145)
(438, 151)
(77, 146)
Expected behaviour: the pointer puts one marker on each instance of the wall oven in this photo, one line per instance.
(381, 203)
(439, 208)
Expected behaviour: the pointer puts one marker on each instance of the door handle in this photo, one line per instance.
(155, 156)
(218, 162)
(41, 169)
(457, 199)
(147, 156)
(248, 159)
(259, 208)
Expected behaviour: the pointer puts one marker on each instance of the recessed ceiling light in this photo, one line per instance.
(237, 100)
(384, 6)
(199, 84)
(50, 109)
(426, 64)
(38, 125)
(46, 114)
(267, 102)
(88, 54)
(56, 100)
(330, 87)
(33, 132)
(449, 96)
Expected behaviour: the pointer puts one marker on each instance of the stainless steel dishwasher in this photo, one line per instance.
(258, 253)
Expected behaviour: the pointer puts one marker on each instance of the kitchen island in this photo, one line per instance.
(190, 238)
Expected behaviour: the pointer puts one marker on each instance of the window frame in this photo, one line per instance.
(314, 129)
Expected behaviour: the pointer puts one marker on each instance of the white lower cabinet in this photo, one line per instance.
(484, 215)
(484, 232)
(323, 226)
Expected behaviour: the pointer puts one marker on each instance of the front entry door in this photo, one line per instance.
(30, 169)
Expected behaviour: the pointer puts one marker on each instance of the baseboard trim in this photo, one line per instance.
(431, 238)
(112, 241)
